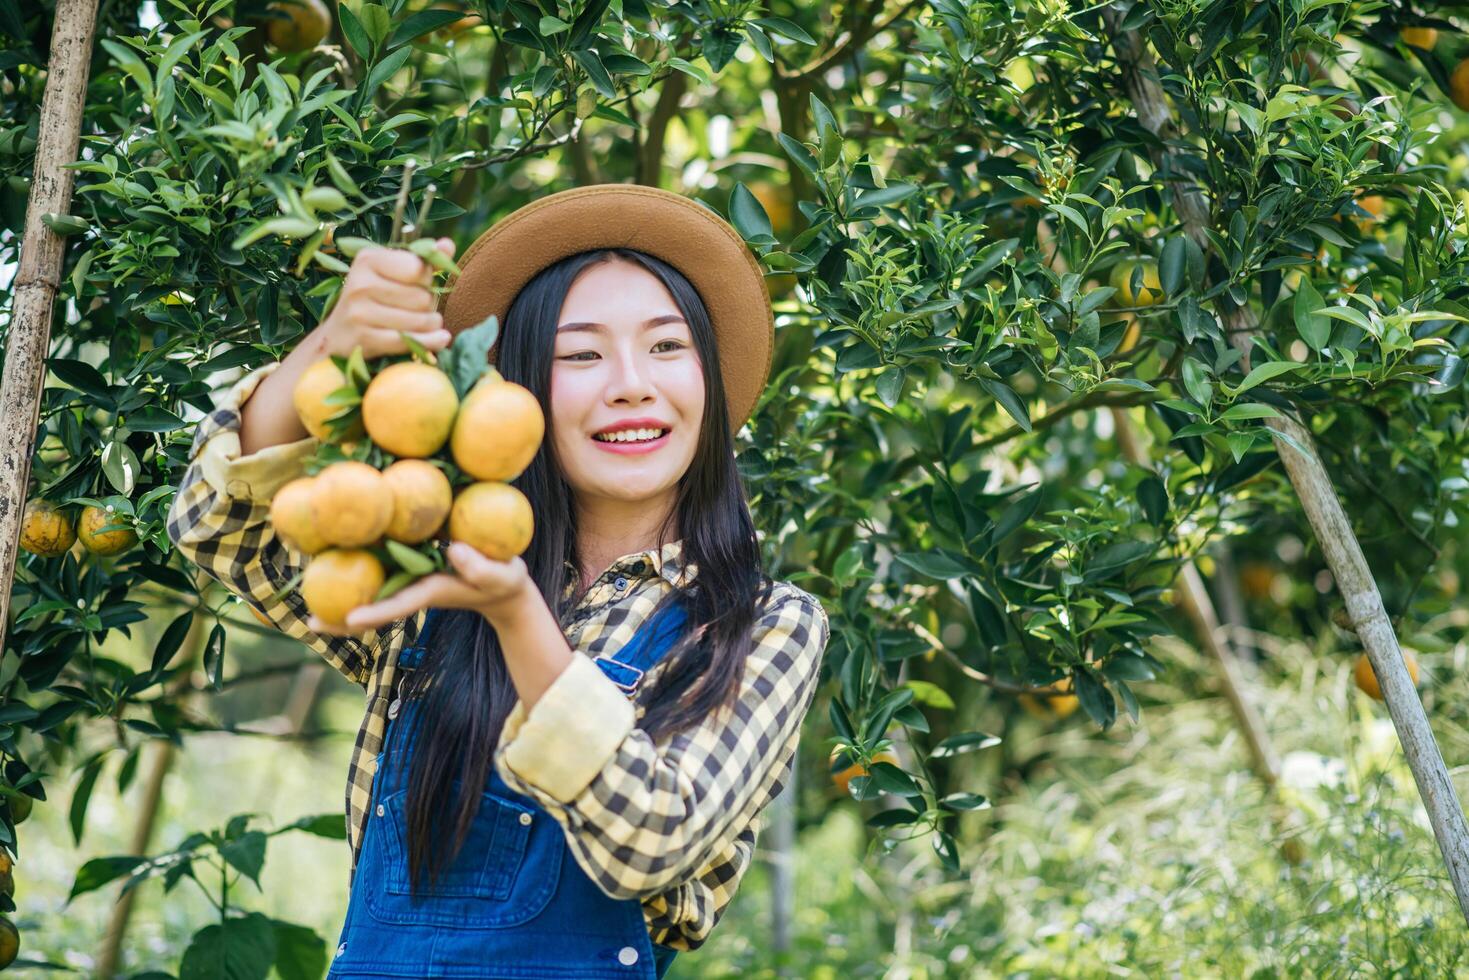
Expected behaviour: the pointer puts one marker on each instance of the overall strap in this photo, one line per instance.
(653, 639)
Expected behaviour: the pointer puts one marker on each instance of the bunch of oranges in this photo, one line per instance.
(407, 456)
(48, 529)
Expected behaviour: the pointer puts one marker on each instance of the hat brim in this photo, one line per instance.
(683, 233)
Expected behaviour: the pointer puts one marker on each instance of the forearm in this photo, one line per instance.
(269, 417)
(535, 649)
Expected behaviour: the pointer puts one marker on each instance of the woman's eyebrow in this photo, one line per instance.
(581, 326)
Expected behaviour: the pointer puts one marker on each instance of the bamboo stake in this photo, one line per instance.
(39, 275)
(1323, 509)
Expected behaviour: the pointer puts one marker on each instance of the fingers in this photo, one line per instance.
(383, 343)
(397, 264)
(389, 292)
(438, 590)
(482, 571)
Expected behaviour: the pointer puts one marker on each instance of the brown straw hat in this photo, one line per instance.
(683, 233)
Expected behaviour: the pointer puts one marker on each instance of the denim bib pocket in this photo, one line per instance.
(498, 878)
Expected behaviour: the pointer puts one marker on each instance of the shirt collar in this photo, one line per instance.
(667, 563)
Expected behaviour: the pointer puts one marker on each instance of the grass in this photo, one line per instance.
(1146, 851)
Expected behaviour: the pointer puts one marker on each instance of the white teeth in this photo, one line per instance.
(631, 435)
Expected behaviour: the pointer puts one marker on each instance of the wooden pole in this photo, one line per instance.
(1323, 509)
(39, 274)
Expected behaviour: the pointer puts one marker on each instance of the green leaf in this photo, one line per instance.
(77, 814)
(1249, 410)
(411, 560)
(376, 21)
(882, 196)
(100, 871)
(466, 359)
(1314, 328)
(963, 742)
(246, 854)
(552, 25)
(1008, 399)
(1266, 371)
(300, 954)
(1094, 696)
(353, 31)
(1172, 265)
(596, 72)
(239, 948)
(1152, 495)
(964, 801)
(783, 27)
(747, 214)
(934, 564)
(419, 24)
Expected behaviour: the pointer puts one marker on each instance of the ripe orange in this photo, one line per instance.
(498, 430)
(309, 397)
(9, 942)
(409, 408)
(1149, 293)
(1419, 37)
(1257, 578)
(306, 23)
(338, 581)
(1058, 707)
(494, 518)
(351, 504)
(1131, 334)
(1374, 206)
(1366, 677)
(1459, 84)
(292, 517)
(843, 778)
(45, 530)
(421, 500)
(100, 542)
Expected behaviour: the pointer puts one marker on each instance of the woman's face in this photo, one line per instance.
(623, 353)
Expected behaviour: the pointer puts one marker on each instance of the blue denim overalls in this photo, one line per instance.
(514, 903)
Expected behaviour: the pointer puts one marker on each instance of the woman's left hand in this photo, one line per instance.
(495, 589)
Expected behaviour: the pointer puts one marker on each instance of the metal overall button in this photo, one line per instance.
(627, 956)
(393, 708)
(621, 583)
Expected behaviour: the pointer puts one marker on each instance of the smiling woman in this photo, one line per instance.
(542, 725)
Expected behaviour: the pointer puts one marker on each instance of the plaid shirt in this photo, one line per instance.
(672, 824)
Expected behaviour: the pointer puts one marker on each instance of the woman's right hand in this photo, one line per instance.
(386, 291)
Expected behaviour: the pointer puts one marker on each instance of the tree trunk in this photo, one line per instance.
(36, 281)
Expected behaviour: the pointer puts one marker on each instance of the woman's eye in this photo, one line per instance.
(572, 357)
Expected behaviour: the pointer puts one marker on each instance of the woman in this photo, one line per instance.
(622, 699)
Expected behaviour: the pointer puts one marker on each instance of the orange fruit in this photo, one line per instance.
(843, 779)
(1459, 84)
(45, 530)
(352, 504)
(1374, 206)
(309, 397)
(9, 942)
(1058, 707)
(493, 518)
(498, 430)
(1131, 334)
(1419, 37)
(100, 542)
(421, 500)
(338, 581)
(305, 24)
(1150, 290)
(408, 409)
(778, 204)
(292, 517)
(1366, 677)
(1257, 578)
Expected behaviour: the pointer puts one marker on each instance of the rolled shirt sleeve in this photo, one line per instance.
(641, 818)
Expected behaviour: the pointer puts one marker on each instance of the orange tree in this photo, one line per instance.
(1007, 217)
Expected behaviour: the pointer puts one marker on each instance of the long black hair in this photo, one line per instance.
(461, 721)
